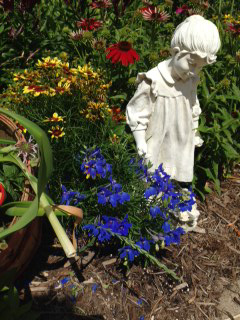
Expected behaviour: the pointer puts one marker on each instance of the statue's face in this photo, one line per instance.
(186, 65)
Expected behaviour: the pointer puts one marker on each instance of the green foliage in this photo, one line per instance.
(10, 305)
(13, 180)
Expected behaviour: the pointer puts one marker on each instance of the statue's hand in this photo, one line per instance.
(142, 148)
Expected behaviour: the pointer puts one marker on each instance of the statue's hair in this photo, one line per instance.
(199, 36)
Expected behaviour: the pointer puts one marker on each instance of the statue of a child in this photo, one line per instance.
(163, 114)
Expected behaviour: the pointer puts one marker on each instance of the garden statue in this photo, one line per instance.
(163, 114)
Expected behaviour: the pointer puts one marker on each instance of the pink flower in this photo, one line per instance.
(151, 13)
(183, 9)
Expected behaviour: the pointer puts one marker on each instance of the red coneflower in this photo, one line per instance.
(101, 4)
(2, 194)
(89, 24)
(152, 13)
(122, 52)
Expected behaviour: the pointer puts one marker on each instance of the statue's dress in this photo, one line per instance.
(168, 110)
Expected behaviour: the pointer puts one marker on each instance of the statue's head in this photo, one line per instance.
(194, 44)
(198, 36)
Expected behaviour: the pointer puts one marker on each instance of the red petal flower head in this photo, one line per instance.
(89, 24)
(152, 13)
(2, 194)
(122, 52)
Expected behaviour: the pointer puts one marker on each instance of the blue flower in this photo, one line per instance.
(104, 235)
(139, 302)
(150, 192)
(128, 252)
(114, 199)
(173, 236)
(141, 318)
(143, 244)
(94, 288)
(67, 196)
(78, 198)
(93, 231)
(64, 281)
(94, 164)
(154, 211)
(124, 196)
(166, 227)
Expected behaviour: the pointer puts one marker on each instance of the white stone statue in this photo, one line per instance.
(163, 114)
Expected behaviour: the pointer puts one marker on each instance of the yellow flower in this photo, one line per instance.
(55, 118)
(49, 63)
(36, 90)
(87, 72)
(18, 76)
(56, 132)
(63, 87)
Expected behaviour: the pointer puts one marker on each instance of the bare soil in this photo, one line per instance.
(97, 288)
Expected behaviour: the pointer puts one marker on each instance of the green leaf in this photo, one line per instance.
(10, 170)
(230, 151)
(44, 173)
(119, 96)
(1, 28)
(6, 141)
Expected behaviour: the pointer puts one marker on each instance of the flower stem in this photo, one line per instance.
(44, 203)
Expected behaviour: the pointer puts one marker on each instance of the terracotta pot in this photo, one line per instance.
(22, 244)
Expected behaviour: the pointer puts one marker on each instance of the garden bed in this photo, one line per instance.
(207, 263)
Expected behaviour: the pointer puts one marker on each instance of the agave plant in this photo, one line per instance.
(41, 204)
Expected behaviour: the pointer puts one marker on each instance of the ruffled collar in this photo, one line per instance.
(163, 69)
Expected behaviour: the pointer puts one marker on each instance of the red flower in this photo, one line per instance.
(101, 4)
(234, 27)
(151, 13)
(182, 9)
(2, 194)
(88, 24)
(117, 115)
(122, 51)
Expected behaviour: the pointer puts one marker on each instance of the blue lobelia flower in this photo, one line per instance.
(104, 235)
(124, 196)
(166, 227)
(67, 196)
(128, 252)
(150, 192)
(154, 211)
(143, 244)
(78, 198)
(93, 231)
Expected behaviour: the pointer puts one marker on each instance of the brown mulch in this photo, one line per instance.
(206, 263)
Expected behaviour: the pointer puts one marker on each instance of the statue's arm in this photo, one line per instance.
(195, 117)
(139, 110)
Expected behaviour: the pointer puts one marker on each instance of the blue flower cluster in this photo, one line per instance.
(68, 196)
(163, 187)
(113, 224)
(114, 195)
(94, 164)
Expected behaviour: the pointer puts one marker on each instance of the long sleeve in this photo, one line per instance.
(140, 107)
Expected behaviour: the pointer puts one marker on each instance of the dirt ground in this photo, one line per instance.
(207, 264)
